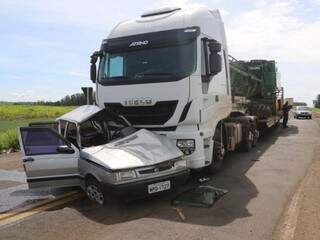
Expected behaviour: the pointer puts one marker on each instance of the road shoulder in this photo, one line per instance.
(300, 220)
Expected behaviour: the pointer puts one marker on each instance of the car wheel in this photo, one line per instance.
(94, 191)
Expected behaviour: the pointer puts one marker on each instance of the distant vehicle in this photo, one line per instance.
(81, 150)
(302, 112)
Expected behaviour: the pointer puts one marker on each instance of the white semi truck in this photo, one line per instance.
(169, 71)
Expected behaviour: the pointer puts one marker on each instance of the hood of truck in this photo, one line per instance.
(145, 105)
(142, 148)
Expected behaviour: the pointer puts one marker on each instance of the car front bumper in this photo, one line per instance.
(139, 189)
(304, 115)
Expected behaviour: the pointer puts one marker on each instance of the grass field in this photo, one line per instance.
(22, 112)
(317, 110)
(13, 116)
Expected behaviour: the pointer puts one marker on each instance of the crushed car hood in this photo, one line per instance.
(142, 148)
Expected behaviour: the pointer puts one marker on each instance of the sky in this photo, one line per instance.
(45, 45)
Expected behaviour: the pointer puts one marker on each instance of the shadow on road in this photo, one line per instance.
(229, 208)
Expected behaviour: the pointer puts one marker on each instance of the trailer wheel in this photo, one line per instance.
(219, 150)
(94, 191)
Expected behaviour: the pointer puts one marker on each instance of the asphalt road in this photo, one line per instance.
(260, 183)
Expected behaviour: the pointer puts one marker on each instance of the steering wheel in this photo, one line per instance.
(116, 133)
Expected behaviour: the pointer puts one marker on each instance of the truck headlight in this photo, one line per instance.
(124, 175)
(187, 146)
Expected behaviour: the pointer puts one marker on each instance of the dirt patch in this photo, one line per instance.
(302, 216)
(8, 184)
(11, 161)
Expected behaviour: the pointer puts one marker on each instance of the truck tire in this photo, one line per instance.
(94, 191)
(248, 140)
(219, 150)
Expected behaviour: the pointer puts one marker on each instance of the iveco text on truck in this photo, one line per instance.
(169, 71)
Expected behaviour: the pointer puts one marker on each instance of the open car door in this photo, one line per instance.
(48, 159)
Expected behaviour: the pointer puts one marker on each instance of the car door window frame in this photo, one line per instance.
(69, 144)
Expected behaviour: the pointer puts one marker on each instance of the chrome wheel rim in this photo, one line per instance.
(94, 194)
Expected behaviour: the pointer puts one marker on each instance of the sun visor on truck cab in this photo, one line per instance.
(151, 40)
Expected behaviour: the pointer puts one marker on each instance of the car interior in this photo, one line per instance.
(98, 130)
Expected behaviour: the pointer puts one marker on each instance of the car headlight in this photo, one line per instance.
(187, 146)
(181, 163)
(124, 175)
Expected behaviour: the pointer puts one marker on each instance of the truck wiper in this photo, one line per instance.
(156, 74)
(141, 75)
(115, 77)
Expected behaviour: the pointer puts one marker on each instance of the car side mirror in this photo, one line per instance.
(215, 63)
(65, 149)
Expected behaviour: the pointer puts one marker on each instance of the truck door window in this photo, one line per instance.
(204, 66)
(38, 141)
(226, 70)
(116, 66)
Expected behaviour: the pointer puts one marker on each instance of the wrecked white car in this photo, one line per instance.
(81, 150)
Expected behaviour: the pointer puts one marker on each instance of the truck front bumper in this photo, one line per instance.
(139, 189)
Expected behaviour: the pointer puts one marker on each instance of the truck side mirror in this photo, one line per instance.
(93, 68)
(93, 72)
(214, 46)
(215, 63)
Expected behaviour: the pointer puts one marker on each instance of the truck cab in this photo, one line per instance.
(168, 71)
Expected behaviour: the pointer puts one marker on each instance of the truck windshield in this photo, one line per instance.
(148, 65)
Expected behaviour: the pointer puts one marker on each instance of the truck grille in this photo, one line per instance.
(158, 114)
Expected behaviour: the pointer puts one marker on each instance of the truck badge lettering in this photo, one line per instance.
(139, 43)
(138, 102)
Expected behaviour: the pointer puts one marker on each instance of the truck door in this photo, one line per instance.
(48, 159)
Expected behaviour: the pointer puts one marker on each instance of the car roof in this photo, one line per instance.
(80, 114)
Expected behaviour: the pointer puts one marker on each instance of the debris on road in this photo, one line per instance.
(201, 196)
(180, 213)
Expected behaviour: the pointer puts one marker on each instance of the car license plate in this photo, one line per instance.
(159, 187)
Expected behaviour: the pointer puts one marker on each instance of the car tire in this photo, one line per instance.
(94, 191)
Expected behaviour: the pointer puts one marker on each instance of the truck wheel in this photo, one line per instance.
(248, 139)
(219, 151)
(255, 138)
(94, 191)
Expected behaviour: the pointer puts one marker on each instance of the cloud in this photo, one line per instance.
(179, 3)
(275, 30)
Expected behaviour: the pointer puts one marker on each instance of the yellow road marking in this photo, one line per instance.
(21, 213)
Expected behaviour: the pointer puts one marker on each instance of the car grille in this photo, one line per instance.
(157, 168)
(158, 114)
